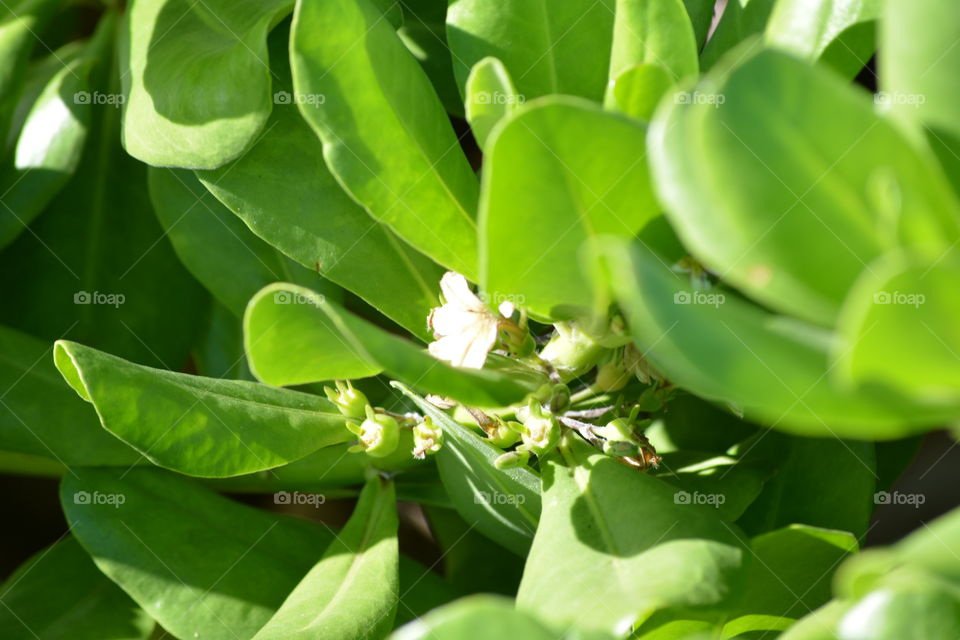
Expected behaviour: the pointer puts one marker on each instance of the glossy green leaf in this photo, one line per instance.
(41, 416)
(199, 426)
(546, 189)
(779, 150)
(282, 190)
(222, 253)
(19, 22)
(740, 21)
(490, 96)
(633, 546)
(637, 90)
(773, 368)
(480, 617)
(919, 62)
(293, 336)
(898, 328)
(407, 170)
(197, 562)
(503, 504)
(424, 33)
(59, 594)
(51, 136)
(653, 32)
(701, 17)
(547, 47)
(95, 266)
(910, 607)
(352, 592)
(196, 79)
(807, 29)
(791, 570)
(819, 624)
(732, 484)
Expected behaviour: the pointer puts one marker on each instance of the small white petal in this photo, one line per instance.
(506, 308)
(456, 292)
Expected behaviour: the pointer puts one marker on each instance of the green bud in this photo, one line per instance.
(620, 448)
(504, 434)
(541, 433)
(560, 398)
(571, 352)
(379, 434)
(427, 439)
(612, 376)
(351, 402)
(512, 459)
(618, 429)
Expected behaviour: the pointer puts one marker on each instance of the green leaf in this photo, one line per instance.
(802, 467)
(653, 32)
(547, 195)
(790, 151)
(773, 368)
(39, 415)
(51, 137)
(282, 190)
(910, 606)
(503, 504)
(196, 79)
(19, 25)
(293, 336)
(741, 19)
(547, 47)
(490, 97)
(791, 570)
(59, 594)
(352, 592)
(701, 16)
(220, 352)
(728, 484)
(480, 617)
(199, 426)
(819, 624)
(807, 29)
(632, 546)
(95, 266)
(407, 171)
(638, 89)
(222, 253)
(197, 562)
(898, 328)
(424, 34)
(919, 63)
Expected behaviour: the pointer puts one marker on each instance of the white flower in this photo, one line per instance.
(465, 329)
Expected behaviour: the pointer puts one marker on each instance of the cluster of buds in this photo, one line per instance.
(539, 433)
(378, 432)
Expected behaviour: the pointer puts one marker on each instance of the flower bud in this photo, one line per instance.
(512, 459)
(612, 376)
(571, 352)
(351, 402)
(379, 434)
(541, 433)
(618, 429)
(504, 434)
(427, 439)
